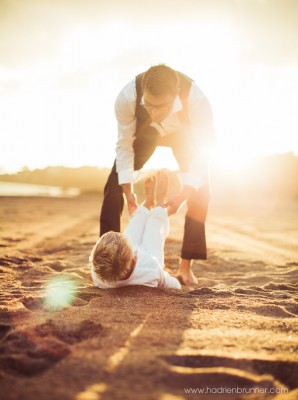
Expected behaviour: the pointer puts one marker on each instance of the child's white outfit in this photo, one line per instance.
(146, 232)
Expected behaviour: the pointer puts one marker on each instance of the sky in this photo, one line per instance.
(63, 62)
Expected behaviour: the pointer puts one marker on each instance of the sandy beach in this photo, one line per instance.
(234, 336)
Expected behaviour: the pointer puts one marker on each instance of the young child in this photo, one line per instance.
(136, 256)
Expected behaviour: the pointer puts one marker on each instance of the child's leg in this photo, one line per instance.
(155, 233)
(135, 228)
(157, 224)
(149, 186)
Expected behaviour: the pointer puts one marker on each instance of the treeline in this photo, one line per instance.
(87, 179)
(272, 176)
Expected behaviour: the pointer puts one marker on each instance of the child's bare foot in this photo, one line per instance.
(150, 185)
(162, 187)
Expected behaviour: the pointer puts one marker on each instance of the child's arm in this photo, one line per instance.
(167, 281)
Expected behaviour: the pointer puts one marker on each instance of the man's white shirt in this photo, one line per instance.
(201, 129)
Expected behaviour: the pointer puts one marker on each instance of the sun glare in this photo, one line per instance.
(162, 158)
(62, 110)
(231, 160)
(59, 292)
(96, 44)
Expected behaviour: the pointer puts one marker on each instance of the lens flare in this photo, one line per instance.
(60, 292)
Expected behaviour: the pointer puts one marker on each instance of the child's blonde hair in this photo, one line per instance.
(112, 257)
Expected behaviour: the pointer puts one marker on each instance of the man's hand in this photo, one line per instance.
(131, 198)
(131, 201)
(175, 202)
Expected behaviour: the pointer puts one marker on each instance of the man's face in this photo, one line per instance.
(158, 107)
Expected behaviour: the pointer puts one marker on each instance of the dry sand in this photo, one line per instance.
(234, 336)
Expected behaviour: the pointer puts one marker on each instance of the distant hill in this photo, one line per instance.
(271, 176)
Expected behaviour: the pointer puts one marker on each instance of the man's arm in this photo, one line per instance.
(202, 136)
(177, 201)
(126, 119)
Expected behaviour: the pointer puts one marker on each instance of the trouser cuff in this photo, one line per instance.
(193, 256)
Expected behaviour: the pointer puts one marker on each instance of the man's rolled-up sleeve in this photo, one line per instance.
(125, 114)
(203, 138)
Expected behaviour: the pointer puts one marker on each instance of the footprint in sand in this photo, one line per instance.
(272, 311)
(260, 292)
(24, 353)
(82, 297)
(32, 351)
(237, 371)
(210, 292)
(16, 264)
(4, 262)
(215, 379)
(12, 240)
(292, 264)
(35, 259)
(70, 333)
(56, 266)
(7, 261)
(89, 294)
(32, 304)
(55, 250)
(4, 329)
(17, 260)
(292, 308)
(282, 286)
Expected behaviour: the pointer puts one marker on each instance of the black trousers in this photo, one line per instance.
(194, 239)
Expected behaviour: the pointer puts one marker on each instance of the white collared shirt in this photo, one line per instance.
(201, 126)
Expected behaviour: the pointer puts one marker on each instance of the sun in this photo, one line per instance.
(162, 158)
(231, 160)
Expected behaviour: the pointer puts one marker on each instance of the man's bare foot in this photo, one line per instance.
(185, 274)
(162, 187)
(150, 185)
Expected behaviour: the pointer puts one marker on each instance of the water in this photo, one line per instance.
(28, 189)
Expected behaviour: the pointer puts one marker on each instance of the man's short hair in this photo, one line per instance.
(111, 257)
(160, 80)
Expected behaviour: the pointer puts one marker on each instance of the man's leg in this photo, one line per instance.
(194, 240)
(112, 205)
